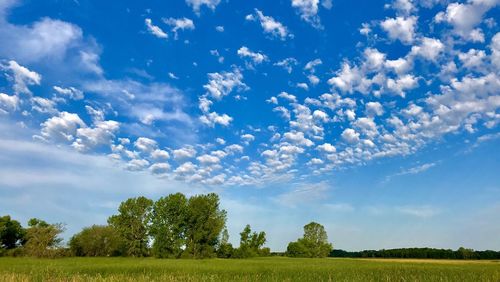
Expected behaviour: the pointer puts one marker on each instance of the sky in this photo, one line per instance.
(378, 119)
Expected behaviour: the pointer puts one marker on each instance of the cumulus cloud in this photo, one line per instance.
(70, 92)
(464, 17)
(308, 11)
(8, 103)
(270, 25)
(179, 24)
(197, 4)
(287, 64)
(221, 84)
(400, 28)
(22, 77)
(255, 57)
(154, 29)
(145, 145)
(350, 135)
(62, 127)
(102, 134)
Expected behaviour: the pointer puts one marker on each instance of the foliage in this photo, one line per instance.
(314, 243)
(97, 240)
(251, 244)
(132, 223)
(225, 249)
(168, 225)
(420, 253)
(205, 221)
(42, 238)
(11, 233)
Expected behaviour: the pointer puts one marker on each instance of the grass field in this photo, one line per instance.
(260, 269)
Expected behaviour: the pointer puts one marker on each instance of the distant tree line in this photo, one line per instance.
(419, 253)
(176, 226)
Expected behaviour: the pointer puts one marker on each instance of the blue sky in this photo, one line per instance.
(378, 119)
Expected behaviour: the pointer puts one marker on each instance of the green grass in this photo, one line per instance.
(260, 269)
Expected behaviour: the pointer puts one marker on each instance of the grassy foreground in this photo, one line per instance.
(260, 269)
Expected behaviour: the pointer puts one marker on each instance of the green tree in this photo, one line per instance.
(132, 223)
(97, 241)
(251, 243)
(42, 238)
(225, 249)
(205, 221)
(313, 244)
(11, 233)
(168, 225)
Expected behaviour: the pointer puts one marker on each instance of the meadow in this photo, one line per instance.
(256, 269)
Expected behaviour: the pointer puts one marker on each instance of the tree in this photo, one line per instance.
(168, 225)
(97, 241)
(132, 223)
(313, 244)
(11, 233)
(205, 221)
(251, 243)
(42, 238)
(225, 249)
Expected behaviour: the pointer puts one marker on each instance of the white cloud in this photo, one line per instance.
(287, 64)
(22, 77)
(44, 39)
(197, 4)
(374, 109)
(43, 105)
(350, 135)
(464, 17)
(181, 23)
(303, 85)
(419, 211)
(160, 155)
(219, 28)
(8, 103)
(256, 57)
(247, 138)
(70, 92)
(102, 134)
(222, 84)
(145, 145)
(327, 148)
(311, 65)
(208, 159)
(62, 127)
(184, 153)
(285, 113)
(429, 48)
(287, 96)
(314, 80)
(270, 25)
(159, 168)
(308, 10)
(298, 138)
(213, 118)
(495, 50)
(155, 30)
(137, 165)
(400, 28)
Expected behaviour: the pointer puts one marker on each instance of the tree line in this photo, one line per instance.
(420, 253)
(174, 226)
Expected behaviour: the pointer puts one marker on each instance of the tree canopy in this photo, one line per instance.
(313, 244)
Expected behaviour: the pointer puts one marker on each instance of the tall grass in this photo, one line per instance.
(259, 269)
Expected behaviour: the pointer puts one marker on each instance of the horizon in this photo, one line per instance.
(378, 120)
